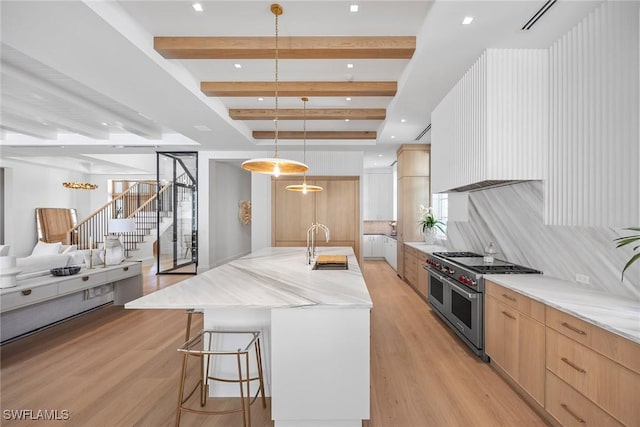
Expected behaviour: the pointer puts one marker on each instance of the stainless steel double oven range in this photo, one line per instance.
(456, 291)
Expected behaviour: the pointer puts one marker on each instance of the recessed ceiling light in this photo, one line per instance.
(62, 146)
(104, 124)
(346, 120)
(197, 7)
(349, 65)
(237, 65)
(353, 8)
(375, 163)
(467, 20)
(393, 136)
(403, 120)
(260, 99)
(380, 155)
(348, 99)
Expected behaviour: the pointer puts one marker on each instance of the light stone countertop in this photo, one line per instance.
(613, 313)
(427, 249)
(268, 278)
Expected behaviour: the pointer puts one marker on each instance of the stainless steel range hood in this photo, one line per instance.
(483, 185)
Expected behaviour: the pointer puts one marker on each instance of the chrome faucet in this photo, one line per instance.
(311, 238)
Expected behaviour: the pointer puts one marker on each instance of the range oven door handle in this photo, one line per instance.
(454, 286)
(435, 272)
(458, 289)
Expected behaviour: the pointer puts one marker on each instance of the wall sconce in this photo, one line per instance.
(80, 185)
(244, 214)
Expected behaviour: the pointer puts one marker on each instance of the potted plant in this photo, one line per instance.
(428, 224)
(627, 240)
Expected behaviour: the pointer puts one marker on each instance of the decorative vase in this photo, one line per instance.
(429, 236)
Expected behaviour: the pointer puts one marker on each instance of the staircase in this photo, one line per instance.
(139, 202)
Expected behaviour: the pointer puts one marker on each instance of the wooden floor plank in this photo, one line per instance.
(116, 367)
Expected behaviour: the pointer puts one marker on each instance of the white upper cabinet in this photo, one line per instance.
(378, 195)
(594, 136)
(494, 124)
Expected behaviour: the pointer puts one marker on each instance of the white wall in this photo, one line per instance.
(28, 187)
(228, 237)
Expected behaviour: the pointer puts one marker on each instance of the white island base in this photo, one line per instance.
(314, 326)
(315, 360)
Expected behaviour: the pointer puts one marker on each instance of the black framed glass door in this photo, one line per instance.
(177, 211)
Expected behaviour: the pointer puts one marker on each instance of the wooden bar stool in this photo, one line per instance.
(203, 347)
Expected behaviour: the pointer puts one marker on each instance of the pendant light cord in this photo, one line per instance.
(276, 88)
(304, 130)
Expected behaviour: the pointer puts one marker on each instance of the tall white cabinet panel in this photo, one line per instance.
(378, 195)
(493, 124)
(594, 134)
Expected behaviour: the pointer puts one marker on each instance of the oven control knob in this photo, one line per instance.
(461, 278)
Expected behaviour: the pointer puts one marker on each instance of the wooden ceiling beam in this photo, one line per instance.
(311, 114)
(238, 89)
(259, 134)
(307, 47)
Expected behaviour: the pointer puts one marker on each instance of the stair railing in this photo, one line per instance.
(95, 226)
(146, 215)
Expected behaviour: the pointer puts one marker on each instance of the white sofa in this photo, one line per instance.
(46, 256)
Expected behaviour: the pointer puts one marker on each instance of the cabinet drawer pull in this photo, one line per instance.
(125, 268)
(508, 315)
(509, 298)
(573, 328)
(26, 292)
(578, 419)
(577, 368)
(85, 278)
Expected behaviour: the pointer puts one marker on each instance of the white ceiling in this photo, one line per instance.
(70, 66)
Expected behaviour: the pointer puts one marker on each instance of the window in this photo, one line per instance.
(441, 210)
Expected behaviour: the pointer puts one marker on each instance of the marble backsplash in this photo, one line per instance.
(377, 227)
(511, 217)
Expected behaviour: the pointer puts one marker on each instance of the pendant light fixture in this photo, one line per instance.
(275, 165)
(304, 188)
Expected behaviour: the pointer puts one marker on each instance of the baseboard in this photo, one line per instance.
(50, 325)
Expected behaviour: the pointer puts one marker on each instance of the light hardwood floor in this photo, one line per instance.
(116, 367)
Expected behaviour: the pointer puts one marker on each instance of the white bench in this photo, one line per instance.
(43, 300)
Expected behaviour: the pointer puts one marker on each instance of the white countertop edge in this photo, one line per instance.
(507, 282)
(427, 249)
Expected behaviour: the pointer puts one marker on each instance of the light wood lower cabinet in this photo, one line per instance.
(414, 273)
(579, 373)
(606, 383)
(516, 343)
(570, 408)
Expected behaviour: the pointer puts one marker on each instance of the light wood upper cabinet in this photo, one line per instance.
(413, 160)
(337, 206)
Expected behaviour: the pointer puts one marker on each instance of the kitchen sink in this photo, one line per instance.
(331, 262)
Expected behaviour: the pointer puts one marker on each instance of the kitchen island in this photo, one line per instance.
(315, 326)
